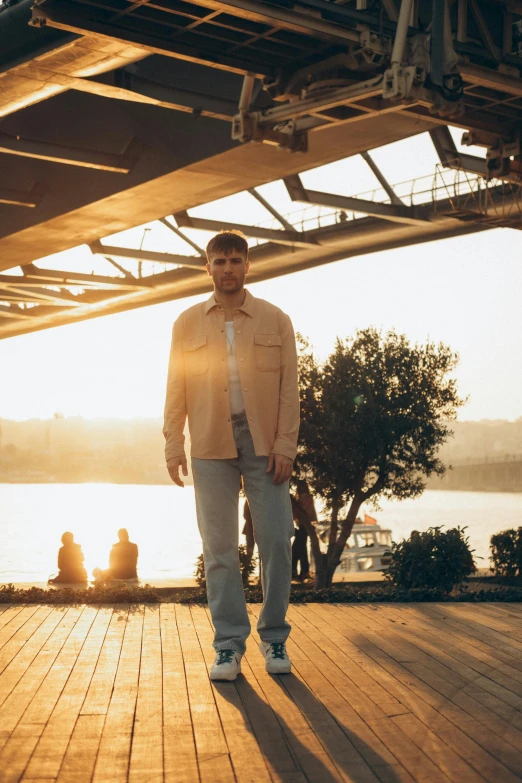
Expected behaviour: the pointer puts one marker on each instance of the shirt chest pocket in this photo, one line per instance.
(195, 353)
(267, 348)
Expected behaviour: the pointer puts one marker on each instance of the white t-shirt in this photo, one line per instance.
(237, 404)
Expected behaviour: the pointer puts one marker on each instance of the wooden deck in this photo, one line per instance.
(388, 692)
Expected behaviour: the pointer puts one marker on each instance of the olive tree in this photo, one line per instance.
(373, 417)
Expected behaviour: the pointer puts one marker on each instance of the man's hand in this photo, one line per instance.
(282, 467)
(173, 466)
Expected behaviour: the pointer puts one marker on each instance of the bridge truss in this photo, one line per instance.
(115, 113)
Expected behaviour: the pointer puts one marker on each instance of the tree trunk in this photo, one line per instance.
(335, 552)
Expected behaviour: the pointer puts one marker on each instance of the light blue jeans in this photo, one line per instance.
(217, 483)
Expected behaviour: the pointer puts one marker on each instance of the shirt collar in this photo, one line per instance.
(247, 306)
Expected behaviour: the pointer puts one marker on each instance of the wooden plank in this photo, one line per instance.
(211, 747)
(416, 693)
(455, 631)
(13, 619)
(102, 683)
(17, 752)
(80, 757)
(52, 745)
(22, 693)
(322, 748)
(511, 613)
(378, 753)
(429, 642)
(247, 760)
(179, 749)
(26, 649)
(437, 660)
(279, 758)
(429, 688)
(114, 752)
(146, 759)
(458, 647)
(469, 626)
(8, 611)
(335, 666)
(470, 614)
(18, 631)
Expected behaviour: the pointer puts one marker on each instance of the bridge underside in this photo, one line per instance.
(117, 113)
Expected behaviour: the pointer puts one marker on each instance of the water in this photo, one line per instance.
(162, 521)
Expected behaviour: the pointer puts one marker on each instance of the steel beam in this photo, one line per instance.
(58, 153)
(182, 236)
(483, 29)
(59, 278)
(273, 211)
(381, 178)
(396, 214)
(451, 157)
(98, 249)
(136, 89)
(42, 295)
(21, 198)
(72, 22)
(11, 312)
(292, 238)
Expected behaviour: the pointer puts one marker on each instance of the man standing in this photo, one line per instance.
(233, 372)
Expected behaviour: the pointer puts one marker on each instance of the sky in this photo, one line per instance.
(465, 292)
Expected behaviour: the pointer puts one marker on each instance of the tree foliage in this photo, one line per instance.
(373, 418)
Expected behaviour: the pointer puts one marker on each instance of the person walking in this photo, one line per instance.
(300, 554)
(233, 373)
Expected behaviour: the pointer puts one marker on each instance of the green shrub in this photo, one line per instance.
(506, 552)
(431, 560)
(247, 565)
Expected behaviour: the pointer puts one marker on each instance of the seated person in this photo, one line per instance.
(70, 562)
(123, 560)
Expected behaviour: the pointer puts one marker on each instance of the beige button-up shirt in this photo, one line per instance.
(197, 385)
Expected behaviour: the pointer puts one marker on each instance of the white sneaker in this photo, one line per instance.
(276, 657)
(226, 666)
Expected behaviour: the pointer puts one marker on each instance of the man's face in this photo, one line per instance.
(228, 271)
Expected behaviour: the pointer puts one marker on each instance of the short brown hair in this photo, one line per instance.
(227, 241)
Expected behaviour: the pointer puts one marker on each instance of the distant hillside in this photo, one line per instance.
(483, 440)
(76, 449)
(131, 450)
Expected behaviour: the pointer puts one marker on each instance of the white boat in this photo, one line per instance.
(366, 549)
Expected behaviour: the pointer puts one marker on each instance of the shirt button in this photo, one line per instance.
(239, 331)
(226, 389)
(241, 360)
(245, 389)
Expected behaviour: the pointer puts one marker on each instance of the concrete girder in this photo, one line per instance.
(203, 173)
(51, 73)
(252, 10)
